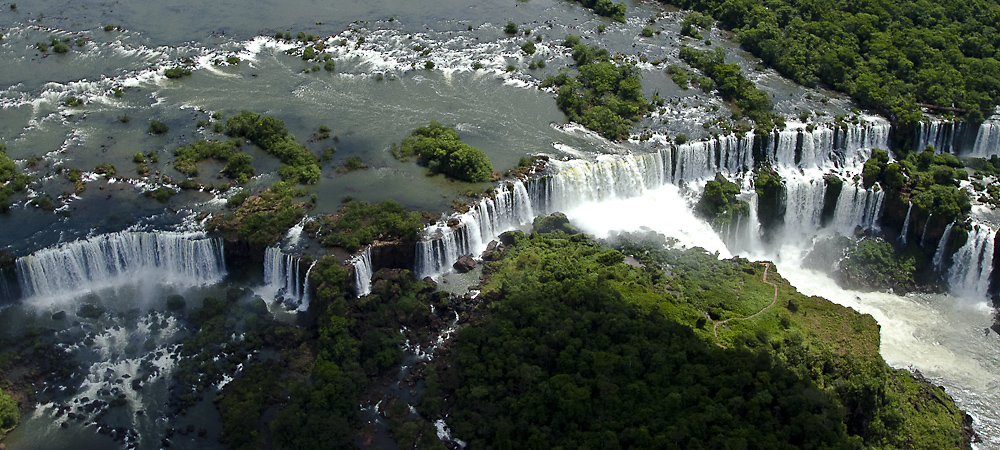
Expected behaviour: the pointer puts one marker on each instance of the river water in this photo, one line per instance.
(378, 92)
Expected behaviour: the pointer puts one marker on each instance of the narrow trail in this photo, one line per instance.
(715, 328)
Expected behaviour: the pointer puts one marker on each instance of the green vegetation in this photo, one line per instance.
(11, 179)
(358, 224)
(9, 414)
(528, 47)
(606, 8)
(578, 350)
(161, 194)
(239, 166)
(605, 96)
(269, 133)
(442, 151)
(718, 203)
(927, 180)
(770, 200)
(888, 56)
(694, 23)
(106, 169)
(314, 390)
(157, 127)
(510, 28)
(876, 264)
(352, 163)
(260, 220)
(177, 72)
(75, 176)
(733, 85)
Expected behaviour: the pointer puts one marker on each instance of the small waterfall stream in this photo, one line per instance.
(906, 225)
(938, 260)
(363, 272)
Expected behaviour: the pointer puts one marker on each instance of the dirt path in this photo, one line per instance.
(715, 328)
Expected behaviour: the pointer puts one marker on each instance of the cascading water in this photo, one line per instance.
(120, 258)
(906, 225)
(284, 277)
(945, 137)
(938, 260)
(363, 272)
(804, 204)
(923, 235)
(509, 207)
(857, 206)
(578, 182)
(987, 140)
(972, 264)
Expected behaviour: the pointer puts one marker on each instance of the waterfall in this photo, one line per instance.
(363, 272)
(938, 260)
(972, 264)
(122, 258)
(857, 206)
(304, 304)
(804, 204)
(824, 146)
(703, 159)
(510, 206)
(906, 226)
(283, 277)
(571, 184)
(987, 140)
(923, 235)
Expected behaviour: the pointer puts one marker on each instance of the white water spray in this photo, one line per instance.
(76, 268)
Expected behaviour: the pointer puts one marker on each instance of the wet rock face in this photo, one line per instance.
(464, 264)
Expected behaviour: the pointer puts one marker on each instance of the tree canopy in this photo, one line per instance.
(890, 56)
(442, 151)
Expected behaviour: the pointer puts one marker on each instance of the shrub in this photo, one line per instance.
(105, 169)
(429, 65)
(157, 127)
(510, 28)
(528, 47)
(162, 194)
(647, 32)
(177, 72)
(352, 163)
(329, 65)
(109, 27)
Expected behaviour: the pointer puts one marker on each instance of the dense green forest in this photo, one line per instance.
(577, 349)
(890, 56)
